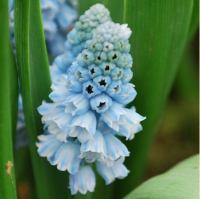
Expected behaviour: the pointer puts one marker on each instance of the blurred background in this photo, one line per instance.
(177, 136)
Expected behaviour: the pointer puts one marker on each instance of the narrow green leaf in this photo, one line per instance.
(84, 5)
(159, 32)
(8, 107)
(116, 9)
(35, 86)
(180, 182)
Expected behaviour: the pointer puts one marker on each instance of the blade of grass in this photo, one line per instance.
(159, 36)
(180, 182)
(8, 107)
(35, 86)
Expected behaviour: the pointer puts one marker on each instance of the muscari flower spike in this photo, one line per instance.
(88, 112)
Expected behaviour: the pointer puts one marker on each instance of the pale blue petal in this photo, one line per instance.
(84, 180)
(80, 104)
(59, 62)
(53, 128)
(112, 115)
(105, 172)
(87, 121)
(133, 117)
(102, 82)
(118, 170)
(56, 73)
(127, 75)
(63, 120)
(124, 130)
(82, 134)
(74, 85)
(115, 148)
(66, 157)
(47, 146)
(46, 108)
(96, 145)
(59, 95)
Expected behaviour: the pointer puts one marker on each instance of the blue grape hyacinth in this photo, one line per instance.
(83, 124)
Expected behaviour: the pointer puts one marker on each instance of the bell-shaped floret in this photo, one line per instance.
(126, 123)
(83, 126)
(101, 103)
(59, 62)
(66, 157)
(107, 67)
(49, 111)
(133, 123)
(84, 180)
(94, 149)
(102, 82)
(61, 126)
(112, 116)
(127, 75)
(115, 148)
(94, 71)
(82, 74)
(85, 58)
(117, 170)
(73, 84)
(55, 120)
(60, 92)
(56, 73)
(47, 145)
(121, 93)
(90, 89)
(76, 104)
